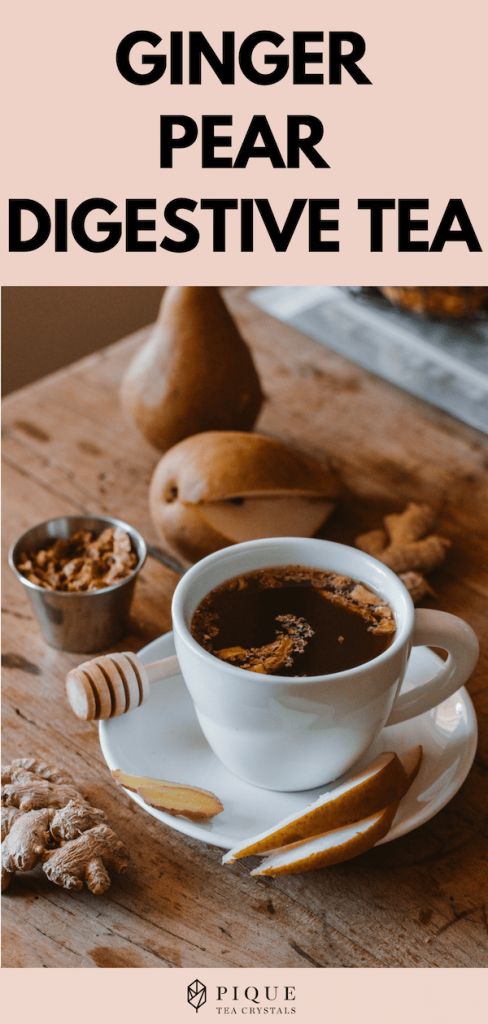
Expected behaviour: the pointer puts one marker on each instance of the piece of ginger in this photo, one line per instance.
(76, 817)
(292, 636)
(87, 859)
(29, 794)
(27, 841)
(406, 545)
(9, 814)
(173, 797)
(268, 658)
(30, 784)
(23, 768)
(43, 815)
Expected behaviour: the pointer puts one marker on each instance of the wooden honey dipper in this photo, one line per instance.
(113, 684)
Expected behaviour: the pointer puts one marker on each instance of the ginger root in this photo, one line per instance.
(25, 767)
(26, 843)
(46, 820)
(76, 817)
(9, 814)
(29, 794)
(406, 546)
(87, 859)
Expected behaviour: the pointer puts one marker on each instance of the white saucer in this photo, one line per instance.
(163, 739)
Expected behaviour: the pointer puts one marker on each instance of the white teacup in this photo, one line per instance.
(287, 733)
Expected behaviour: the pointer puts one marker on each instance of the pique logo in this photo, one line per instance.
(196, 994)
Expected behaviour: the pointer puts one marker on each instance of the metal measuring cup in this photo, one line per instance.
(83, 621)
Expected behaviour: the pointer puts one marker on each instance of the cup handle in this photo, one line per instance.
(438, 629)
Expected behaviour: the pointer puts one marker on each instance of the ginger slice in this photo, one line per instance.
(232, 653)
(339, 844)
(360, 600)
(292, 636)
(172, 797)
(273, 656)
(268, 658)
(408, 547)
(359, 796)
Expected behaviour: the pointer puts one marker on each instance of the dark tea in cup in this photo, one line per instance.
(292, 620)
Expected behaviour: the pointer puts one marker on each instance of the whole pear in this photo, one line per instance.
(194, 373)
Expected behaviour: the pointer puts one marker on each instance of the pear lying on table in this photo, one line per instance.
(222, 487)
(194, 373)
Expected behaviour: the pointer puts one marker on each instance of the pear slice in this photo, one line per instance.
(359, 796)
(221, 487)
(195, 371)
(274, 516)
(192, 531)
(342, 843)
(172, 797)
(411, 761)
(332, 848)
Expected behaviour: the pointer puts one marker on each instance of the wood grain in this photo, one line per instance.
(419, 902)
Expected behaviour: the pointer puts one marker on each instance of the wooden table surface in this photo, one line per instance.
(421, 901)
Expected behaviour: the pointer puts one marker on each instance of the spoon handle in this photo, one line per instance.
(162, 669)
(165, 559)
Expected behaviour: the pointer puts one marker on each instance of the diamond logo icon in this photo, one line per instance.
(196, 994)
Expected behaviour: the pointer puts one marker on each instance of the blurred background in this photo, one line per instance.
(46, 328)
(431, 341)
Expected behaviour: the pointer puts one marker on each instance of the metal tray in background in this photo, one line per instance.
(444, 362)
